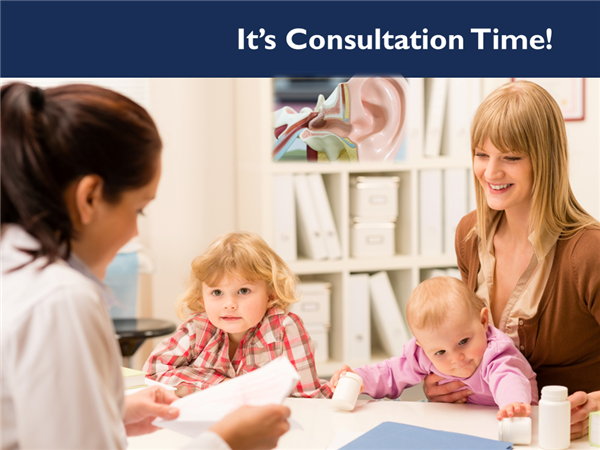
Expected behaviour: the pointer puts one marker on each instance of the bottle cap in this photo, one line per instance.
(555, 393)
(353, 376)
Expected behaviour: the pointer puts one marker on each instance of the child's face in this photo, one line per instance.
(456, 347)
(235, 305)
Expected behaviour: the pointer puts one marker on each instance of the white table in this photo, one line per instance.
(321, 423)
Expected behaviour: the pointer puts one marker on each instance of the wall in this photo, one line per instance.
(584, 148)
(196, 201)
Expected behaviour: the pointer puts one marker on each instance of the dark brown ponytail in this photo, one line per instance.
(54, 137)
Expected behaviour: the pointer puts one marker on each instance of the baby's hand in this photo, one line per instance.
(336, 376)
(515, 409)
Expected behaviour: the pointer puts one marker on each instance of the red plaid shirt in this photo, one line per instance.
(197, 356)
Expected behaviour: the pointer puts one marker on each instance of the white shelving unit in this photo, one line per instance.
(253, 115)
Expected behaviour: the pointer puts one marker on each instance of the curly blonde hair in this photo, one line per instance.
(243, 255)
(522, 117)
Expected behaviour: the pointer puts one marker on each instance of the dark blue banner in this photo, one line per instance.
(287, 38)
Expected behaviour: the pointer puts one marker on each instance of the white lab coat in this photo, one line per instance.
(60, 374)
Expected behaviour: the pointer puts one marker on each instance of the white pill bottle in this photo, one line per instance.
(555, 419)
(347, 391)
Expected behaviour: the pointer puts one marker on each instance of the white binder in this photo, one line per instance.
(324, 215)
(359, 322)
(430, 212)
(311, 242)
(386, 314)
(284, 212)
(464, 97)
(456, 199)
(415, 118)
(436, 90)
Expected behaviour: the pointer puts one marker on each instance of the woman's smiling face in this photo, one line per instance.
(506, 178)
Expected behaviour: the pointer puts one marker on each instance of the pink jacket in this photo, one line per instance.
(504, 375)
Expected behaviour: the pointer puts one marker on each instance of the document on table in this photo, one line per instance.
(200, 410)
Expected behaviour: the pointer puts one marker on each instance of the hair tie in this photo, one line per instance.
(37, 99)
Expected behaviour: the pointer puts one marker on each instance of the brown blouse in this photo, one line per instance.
(562, 339)
(525, 298)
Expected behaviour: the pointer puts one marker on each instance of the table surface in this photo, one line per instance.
(321, 422)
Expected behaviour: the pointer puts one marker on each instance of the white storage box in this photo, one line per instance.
(372, 196)
(320, 338)
(314, 305)
(372, 238)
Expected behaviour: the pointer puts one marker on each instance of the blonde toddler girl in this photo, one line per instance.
(237, 296)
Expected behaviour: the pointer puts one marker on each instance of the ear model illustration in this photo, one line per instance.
(362, 120)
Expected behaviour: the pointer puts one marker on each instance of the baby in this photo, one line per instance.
(238, 295)
(453, 338)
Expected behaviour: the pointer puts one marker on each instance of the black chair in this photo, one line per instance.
(132, 333)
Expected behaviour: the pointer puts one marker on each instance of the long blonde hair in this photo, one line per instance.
(523, 118)
(239, 254)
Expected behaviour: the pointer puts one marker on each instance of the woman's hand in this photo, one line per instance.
(253, 427)
(582, 405)
(515, 409)
(336, 377)
(143, 407)
(444, 393)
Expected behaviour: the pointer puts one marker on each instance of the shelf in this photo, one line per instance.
(256, 212)
(442, 162)
(399, 262)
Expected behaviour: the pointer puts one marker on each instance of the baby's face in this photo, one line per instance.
(235, 305)
(456, 347)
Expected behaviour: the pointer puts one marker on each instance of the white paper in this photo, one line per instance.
(271, 384)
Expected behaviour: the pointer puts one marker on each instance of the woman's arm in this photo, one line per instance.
(252, 427)
(584, 263)
(446, 392)
(143, 407)
(582, 405)
(66, 384)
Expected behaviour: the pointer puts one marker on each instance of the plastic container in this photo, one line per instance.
(515, 429)
(374, 196)
(595, 429)
(372, 237)
(555, 418)
(347, 391)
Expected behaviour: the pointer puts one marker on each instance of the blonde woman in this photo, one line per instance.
(238, 296)
(530, 250)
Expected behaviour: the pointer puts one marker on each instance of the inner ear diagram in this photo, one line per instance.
(361, 120)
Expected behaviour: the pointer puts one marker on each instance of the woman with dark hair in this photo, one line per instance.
(530, 251)
(79, 163)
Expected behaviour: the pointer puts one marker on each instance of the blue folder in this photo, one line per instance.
(398, 436)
